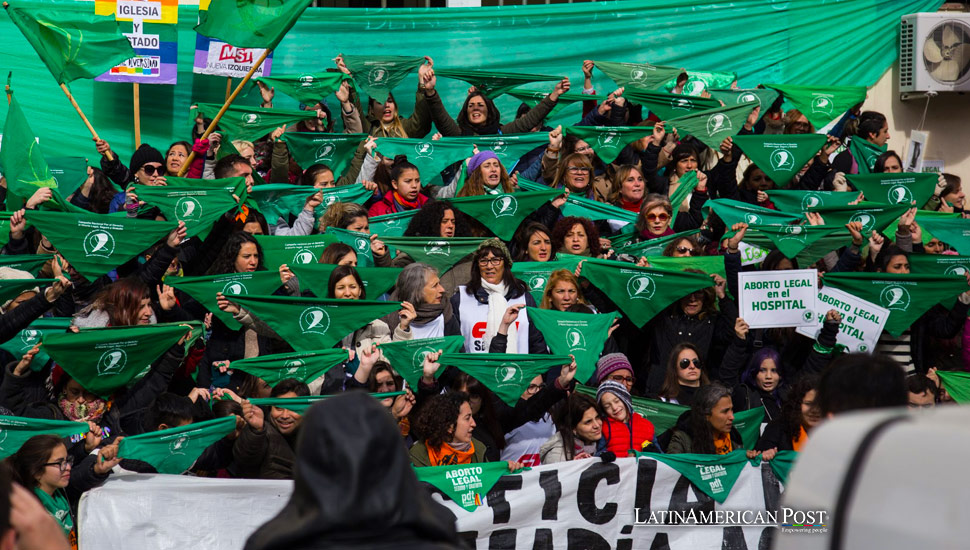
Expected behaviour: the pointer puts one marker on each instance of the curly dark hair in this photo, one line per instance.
(566, 224)
(427, 221)
(439, 416)
(225, 262)
(791, 409)
(101, 192)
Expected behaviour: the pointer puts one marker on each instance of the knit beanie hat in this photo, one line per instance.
(145, 154)
(617, 389)
(478, 159)
(610, 363)
(497, 243)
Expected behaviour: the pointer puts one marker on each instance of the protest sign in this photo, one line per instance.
(151, 28)
(778, 298)
(862, 321)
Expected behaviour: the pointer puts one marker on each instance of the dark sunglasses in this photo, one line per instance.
(686, 250)
(685, 363)
(151, 170)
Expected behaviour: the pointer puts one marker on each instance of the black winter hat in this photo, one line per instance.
(145, 154)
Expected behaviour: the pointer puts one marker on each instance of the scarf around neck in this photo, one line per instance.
(497, 304)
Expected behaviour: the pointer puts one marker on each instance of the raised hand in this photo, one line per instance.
(253, 415)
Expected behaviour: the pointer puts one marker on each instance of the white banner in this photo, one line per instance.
(750, 254)
(862, 321)
(784, 298)
(585, 504)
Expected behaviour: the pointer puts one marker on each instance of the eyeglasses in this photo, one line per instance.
(151, 170)
(63, 464)
(578, 169)
(494, 262)
(698, 295)
(686, 250)
(662, 217)
(533, 388)
(686, 363)
(621, 379)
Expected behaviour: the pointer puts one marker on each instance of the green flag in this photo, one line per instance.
(585, 208)
(748, 424)
(873, 216)
(69, 173)
(939, 264)
(377, 280)
(732, 212)
(662, 415)
(581, 335)
(765, 97)
(907, 296)
(957, 384)
(780, 157)
(608, 141)
(811, 253)
(493, 83)
(280, 200)
(305, 366)
(465, 484)
(11, 288)
(714, 475)
(431, 157)
(792, 239)
(642, 76)
(250, 23)
(865, 153)
(310, 324)
(439, 253)
(377, 75)
(16, 430)
(23, 164)
(97, 243)
(895, 188)
(103, 360)
(407, 356)
(653, 247)
(713, 125)
(506, 374)
(707, 264)
(536, 274)
(392, 225)
(534, 97)
(175, 450)
(922, 216)
(509, 148)
(502, 214)
(821, 104)
(204, 289)
(637, 290)
(198, 207)
(299, 405)
(28, 337)
(360, 242)
(782, 464)
(952, 231)
(685, 186)
(698, 81)
(236, 186)
(794, 202)
(250, 123)
(334, 150)
(72, 44)
(289, 250)
(308, 88)
(666, 105)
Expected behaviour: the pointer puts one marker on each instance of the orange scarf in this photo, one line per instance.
(798, 442)
(722, 444)
(446, 455)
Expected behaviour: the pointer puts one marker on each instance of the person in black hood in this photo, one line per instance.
(354, 487)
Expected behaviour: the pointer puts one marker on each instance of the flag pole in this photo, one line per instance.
(228, 87)
(218, 117)
(6, 88)
(77, 108)
(136, 104)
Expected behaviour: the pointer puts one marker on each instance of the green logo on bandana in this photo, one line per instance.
(575, 339)
(793, 232)
(325, 152)
(952, 270)
(377, 76)
(867, 221)
(537, 282)
(638, 75)
(811, 201)
(306, 80)
(822, 105)
(361, 244)
(782, 159)
(177, 446)
(505, 205)
(900, 194)
(608, 139)
(314, 319)
(752, 219)
(250, 119)
(235, 287)
(718, 122)
(508, 374)
(641, 287)
(499, 146)
(112, 362)
(329, 199)
(417, 360)
(99, 243)
(295, 368)
(894, 298)
(424, 150)
(681, 104)
(694, 87)
(188, 209)
(439, 248)
(303, 256)
(748, 97)
(30, 336)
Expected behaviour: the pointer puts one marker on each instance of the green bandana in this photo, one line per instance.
(204, 289)
(16, 430)
(31, 263)
(957, 384)
(430, 156)
(874, 216)
(198, 207)
(316, 277)
(666, 106)
(305, 366)
(407, 356)
(68, 172)
(58, 507)
(308, 88)
(506, 374)
(608, 141)
(502, 214)
(714, 475)
(953, 231)
(392, 225)
(813, 252)
(653, 247)
(581, 335)
(20, 156)
(440, 253)
(97, 243)
(698, 81)
(310, 324)
(494, 84)
(713, 125)
(803, 201)
(585, 208)
(280, 200)
(780, 157)
(251, 123)
(821, 104)
(865, 153)
(360, 242)
(791, 240)
(922, 216)
(300, 405)
(939, 264)
(509, 148)
(377, 75)
(895, 188)
(536, 274)
(292, 250)
(643, 76)
(765, 97)
(685, 186)
(236, 186)
(533, 98)
(662, 415)
(707, 264)
(732, 212)
(28, 337)
(907, 296)
(175, 450)
(250, 24)
(782, 464)
(105, 359)
(334, 150)
(636, 290)
(11, 288)
(748, 424)
(465, 484)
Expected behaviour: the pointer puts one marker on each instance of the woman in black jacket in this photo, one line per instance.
(799, 415)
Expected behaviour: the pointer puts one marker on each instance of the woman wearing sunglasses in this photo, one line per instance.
(654, 219)
(682, 248)
(684, 375)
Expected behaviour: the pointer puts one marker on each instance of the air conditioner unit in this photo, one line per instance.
(934, 52)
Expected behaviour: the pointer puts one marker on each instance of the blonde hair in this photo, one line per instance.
(239, 144)
(578, 159)
(475, 184)
(621, 174)
(556, 277)
(651, 201)
(340, 215)
(394, 128)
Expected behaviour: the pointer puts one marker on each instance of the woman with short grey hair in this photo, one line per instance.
(420, 285)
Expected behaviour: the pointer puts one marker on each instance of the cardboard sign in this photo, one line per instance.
(784, 298)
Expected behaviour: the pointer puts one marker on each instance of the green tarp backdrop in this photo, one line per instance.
(781, 42)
